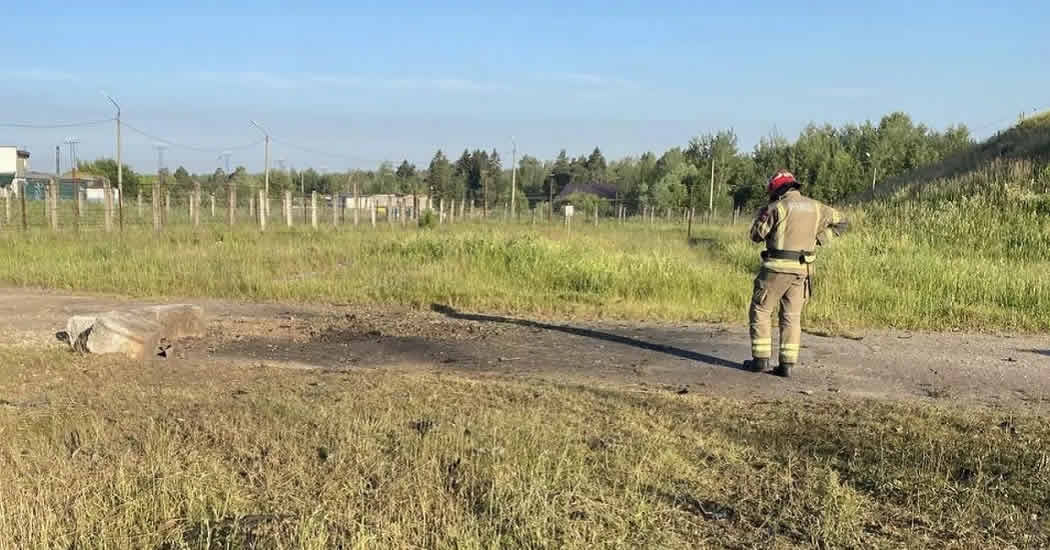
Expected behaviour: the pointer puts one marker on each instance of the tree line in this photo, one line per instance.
(710, 171)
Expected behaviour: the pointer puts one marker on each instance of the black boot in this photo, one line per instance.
(756, 365)
(783, 370)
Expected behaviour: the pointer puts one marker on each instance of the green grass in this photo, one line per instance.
(908, 266)
(964, 244)
(105, 453)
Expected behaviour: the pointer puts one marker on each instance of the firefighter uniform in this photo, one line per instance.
(792, 226)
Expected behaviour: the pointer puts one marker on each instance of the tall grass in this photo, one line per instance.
(968, 251)
(953, 263)
(631, 272)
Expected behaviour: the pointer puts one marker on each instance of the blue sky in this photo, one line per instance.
(341, 85)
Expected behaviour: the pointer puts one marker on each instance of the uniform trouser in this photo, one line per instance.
(791, 291)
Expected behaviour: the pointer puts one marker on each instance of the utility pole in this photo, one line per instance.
(711, 194)
(72, 142)
(550, 202)
(225, 156)
(160, 148)
(513, 178)
(266, 177)
(120, 167)
(158, 185)
(874, 172)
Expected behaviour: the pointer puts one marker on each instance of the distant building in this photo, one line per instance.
(601, 190)
(92, 187)
(14, 163)
(383, 202)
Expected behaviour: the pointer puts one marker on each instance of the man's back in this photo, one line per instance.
(795, 224)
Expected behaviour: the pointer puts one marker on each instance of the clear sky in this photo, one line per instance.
(373, 81)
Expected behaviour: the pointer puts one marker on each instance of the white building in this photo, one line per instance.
(14, 163)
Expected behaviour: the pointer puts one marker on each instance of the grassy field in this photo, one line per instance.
(105, 453)
(912, 266)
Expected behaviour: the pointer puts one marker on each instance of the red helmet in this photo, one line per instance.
(779, 180)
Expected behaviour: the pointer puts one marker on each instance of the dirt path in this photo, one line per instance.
(951, 368)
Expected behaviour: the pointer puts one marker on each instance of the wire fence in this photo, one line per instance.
(74, 207)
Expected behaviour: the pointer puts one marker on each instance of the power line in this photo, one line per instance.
(196, 148)
(55, 125)
(325, 153)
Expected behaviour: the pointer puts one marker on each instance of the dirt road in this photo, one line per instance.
(950, 368)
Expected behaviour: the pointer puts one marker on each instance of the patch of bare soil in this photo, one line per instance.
(946, 368)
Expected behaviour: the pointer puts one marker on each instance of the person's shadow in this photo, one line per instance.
(590, 333)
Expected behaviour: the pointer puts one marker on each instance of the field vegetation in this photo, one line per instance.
(104, 453)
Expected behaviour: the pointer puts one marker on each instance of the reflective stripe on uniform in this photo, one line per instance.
(762, 348)
(789, 266)
(789, 352)
(779, 237)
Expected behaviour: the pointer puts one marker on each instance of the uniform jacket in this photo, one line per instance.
(794, 223)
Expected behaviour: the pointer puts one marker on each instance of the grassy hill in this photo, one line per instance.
(1014, 155)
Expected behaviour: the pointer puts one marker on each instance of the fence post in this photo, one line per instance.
(596, 215)
(231, 204)
(53, 203)
(262, 210)
(155, 197)
(313, 209)
(357, 205)
(251, 205)
(167, 205)
(373, 209)
(107, 206)
(441, 211)
(140, 203)
(77, 206)
(196, 201)
(25, 215)
(288, 208)
(211, 196)
(335, 210)
(401, 211)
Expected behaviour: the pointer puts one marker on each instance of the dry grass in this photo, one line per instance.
(102, 453)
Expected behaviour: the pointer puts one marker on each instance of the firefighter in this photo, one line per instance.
(792, 226)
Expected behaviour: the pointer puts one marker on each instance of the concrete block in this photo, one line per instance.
(78, 328)
(138, 333)
(177, 320)
(126, 333)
